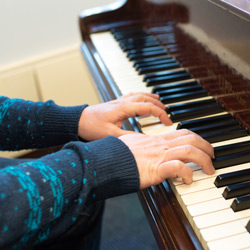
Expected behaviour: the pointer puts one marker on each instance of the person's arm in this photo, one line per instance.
(46, 195)
(42, 198)
(27, 124)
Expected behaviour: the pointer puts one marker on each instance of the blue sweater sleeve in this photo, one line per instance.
(40, 199)
(27, 124)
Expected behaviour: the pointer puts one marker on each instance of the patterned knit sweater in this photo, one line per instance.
(41, 198)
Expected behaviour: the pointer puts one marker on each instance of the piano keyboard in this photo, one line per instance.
(209, 208)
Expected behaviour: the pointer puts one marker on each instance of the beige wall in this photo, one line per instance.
(62, 77)
(32, 28)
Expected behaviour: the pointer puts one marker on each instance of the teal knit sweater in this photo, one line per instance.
(40, 199)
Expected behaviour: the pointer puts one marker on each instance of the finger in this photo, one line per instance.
(155, 96)
(146, 97)
(193, 140)
(113, 130)
(188, 153)
(176, 134)
(174, 169)
(147, 109)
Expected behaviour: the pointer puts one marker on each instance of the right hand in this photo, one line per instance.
(164, 156)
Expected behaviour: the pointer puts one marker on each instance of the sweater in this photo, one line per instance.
(41, 198)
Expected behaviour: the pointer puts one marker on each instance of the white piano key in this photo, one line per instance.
(158, 129)
(195, 186)
(236, 242)
(232, 141)
(219, 217)
(145, 121)
(200, 175)
(242, 214)
(222, 231)
(244, 221)
(214, 219)
(192, 100)
(209, 206)
(201, 196)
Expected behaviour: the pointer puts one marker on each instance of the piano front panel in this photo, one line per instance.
(202, 217)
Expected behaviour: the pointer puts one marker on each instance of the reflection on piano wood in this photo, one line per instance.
(148, 50)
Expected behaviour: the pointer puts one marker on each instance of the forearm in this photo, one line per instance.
(44, 197)
(26, 124)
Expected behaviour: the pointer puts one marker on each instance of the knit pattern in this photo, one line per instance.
(40, 199)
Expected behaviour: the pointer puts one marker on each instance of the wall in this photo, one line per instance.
(33, 28)
(39, 53)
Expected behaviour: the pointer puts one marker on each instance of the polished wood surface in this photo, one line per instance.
(124, 13)
(167, 219)
(241, 8)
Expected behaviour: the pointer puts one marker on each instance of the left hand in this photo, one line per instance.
(101, 120)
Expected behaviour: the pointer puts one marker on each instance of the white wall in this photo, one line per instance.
(31, 28)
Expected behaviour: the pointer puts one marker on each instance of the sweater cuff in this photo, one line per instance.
(61, 123)
(116, 168)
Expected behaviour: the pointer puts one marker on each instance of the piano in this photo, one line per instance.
(196, 55)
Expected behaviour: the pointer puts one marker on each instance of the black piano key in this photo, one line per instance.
(143, 50)
(212, 128)
(139, 35)
(186, 89)
(127, 29)
(136, 42)
(136, 45)
(148, 54)
(230, 178)
(163, 73)
(225, 135)
(152, 59)
(174, 85)
(241, 203)
(168, 78)
(231, 160)
(184, 96)
(236, 190)
(130, 34)
(204, 121)
(186, 114)
(165, 66)
(130, 43)
(248, 226)
(188, 105)
(155, 62)
(139, 40)
(232, 148)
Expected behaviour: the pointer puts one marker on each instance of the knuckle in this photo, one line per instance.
(193, 138)
(177, 165)
(188, 149)
(186, 131)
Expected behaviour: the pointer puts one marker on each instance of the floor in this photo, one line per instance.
(125, 226)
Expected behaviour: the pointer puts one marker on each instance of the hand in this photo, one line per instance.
(106, 119)
(164, 156)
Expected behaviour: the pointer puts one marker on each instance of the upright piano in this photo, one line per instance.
(196, 55)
